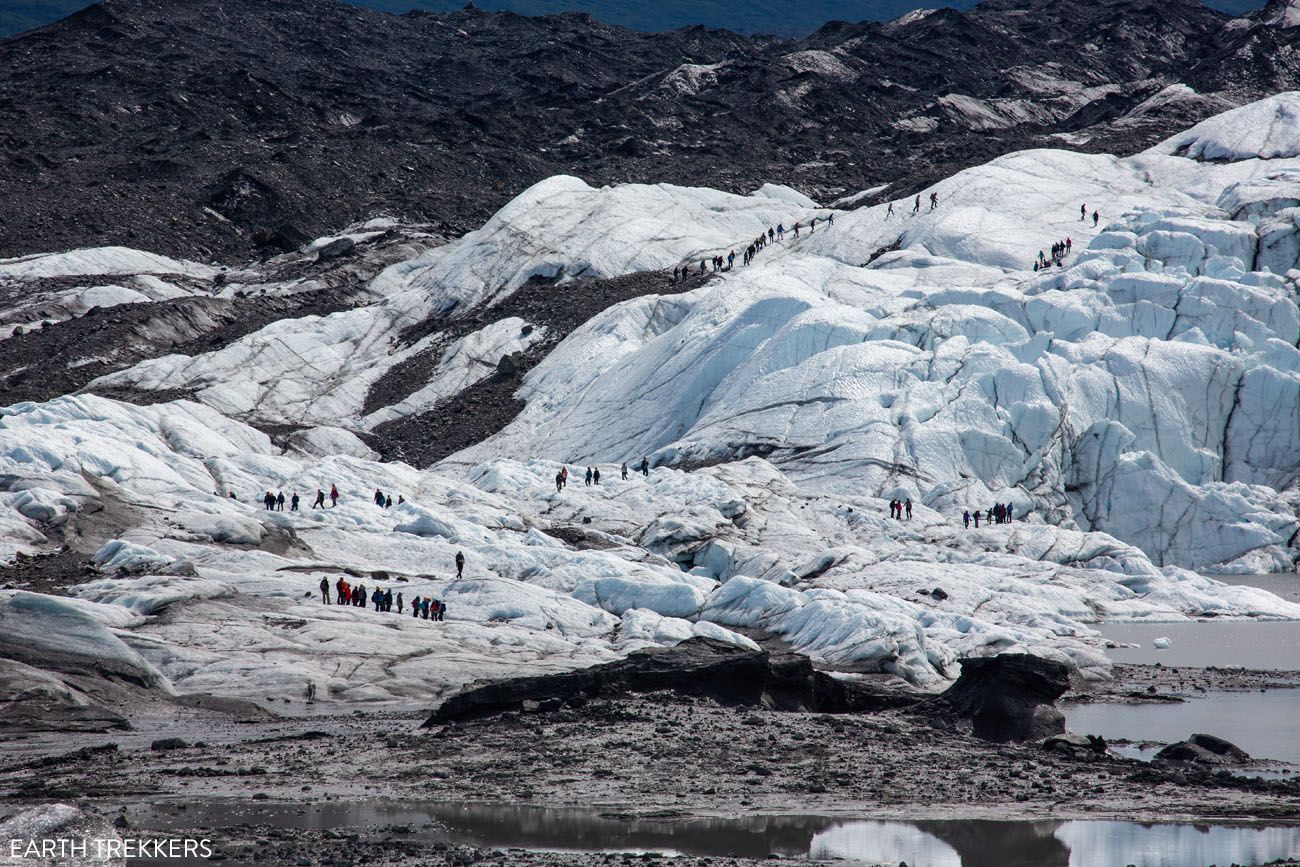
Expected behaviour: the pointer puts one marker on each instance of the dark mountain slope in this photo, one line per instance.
(742, 16)
(225, 127)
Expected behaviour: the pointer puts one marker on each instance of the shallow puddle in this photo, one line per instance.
(921, 843)
(1264, 724)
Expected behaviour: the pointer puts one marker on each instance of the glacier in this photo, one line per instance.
(1138, 405)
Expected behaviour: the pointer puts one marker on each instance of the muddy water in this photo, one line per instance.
(1264, 724)
(935, 843)
(1254, 644)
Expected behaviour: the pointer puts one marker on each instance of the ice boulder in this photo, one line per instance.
(51, 632)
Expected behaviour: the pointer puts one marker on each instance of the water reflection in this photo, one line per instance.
(921, 843)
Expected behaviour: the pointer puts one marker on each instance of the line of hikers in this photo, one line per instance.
(1060, 249)
(593, 475)
(916, 205)
(1000, 513)
(275, 502)
(726, 263)
(425, 607)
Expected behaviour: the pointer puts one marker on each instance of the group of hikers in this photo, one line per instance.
(275, 502)
(593, 474)
(727, 262)
(385, 501)
(425, 607)
(1060, 249)
(355, 595)
(1000, 513)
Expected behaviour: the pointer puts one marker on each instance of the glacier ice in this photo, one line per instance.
(1139, 407)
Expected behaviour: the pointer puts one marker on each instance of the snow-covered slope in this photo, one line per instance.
(1139, 406)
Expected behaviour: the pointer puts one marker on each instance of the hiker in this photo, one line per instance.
(1095, 217)
(771, 235)
(595, 475)
(1010, 510)
(378, 598)
(442, 611)
(424, 608)
(344, 593)
(1035, 266)
(293, 503)
(388, 502)
(559, 482)
(965, 519)
(460, 564)
(916, 208)
(1083, 212)
(359, 595)
(812, 225)
(645, 467)
(279, 502)
(564, 476)
(588, 479)
(388, 600)
(625, 471)
(988, 517)
(830, 218)
(934, 201)
(325, 591)
(780, 231)
(890, 212)
(796, 229)
(909, 508)
(977, 519)
(415, 607)
(1069, 244)
(400, 499)
(399, 603)
(379, 497)
(334, 496)
(893, 505)
(320, 500)
(731, 259)
(269, 500)
(701, 267)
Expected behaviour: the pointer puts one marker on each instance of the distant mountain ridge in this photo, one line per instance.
(743, 16)
(201, 128)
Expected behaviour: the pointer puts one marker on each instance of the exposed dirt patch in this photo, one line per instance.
(51, 573)
(486, 407)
